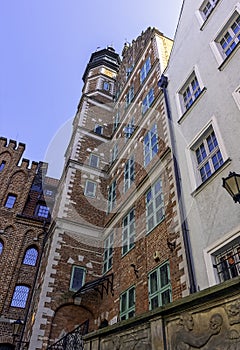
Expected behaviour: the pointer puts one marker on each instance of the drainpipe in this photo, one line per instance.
(163, 83)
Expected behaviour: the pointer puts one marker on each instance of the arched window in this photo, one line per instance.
(1, 247)
(30, 257)
(20, 296)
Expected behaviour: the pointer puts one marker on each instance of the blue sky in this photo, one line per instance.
(45, 46)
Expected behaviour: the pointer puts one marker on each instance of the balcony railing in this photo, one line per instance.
(72, 340)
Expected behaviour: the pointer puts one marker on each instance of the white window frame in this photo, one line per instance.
(76, 267)
(129, 310)
(150, 148)
(148, 101)
(129, 173)
(215, 44)
(188, 85)
(88, 193)
(236, 96)
(145, 69)
(154, 199)
(108, 253)
(194, 173)
(93, 163)
(128, 232)
(211, 251)
(160, 288)
(112, 196)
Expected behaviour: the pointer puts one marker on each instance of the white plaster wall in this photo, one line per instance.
(211, 213)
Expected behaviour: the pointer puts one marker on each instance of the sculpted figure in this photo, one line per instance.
(187, 339)
(233, 312)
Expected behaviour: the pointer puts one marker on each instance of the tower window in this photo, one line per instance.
(2, 165)
(106, 86)
(20, 296)
(43, 211)
(11, 199)
(30, 257)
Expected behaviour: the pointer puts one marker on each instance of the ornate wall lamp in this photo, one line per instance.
(232, 185)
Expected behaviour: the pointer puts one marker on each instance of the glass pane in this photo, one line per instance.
(153, 282)
(30, 257)
(131, 294)
(166, 298)
(20, 296)
(154, 302)
(131, 314)
(124, 302)
(164, 275)
(77, 278)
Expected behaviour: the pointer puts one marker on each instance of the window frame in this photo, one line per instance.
(1, 247)
(108, 252)
(112, 196)
(129, 96)
(145, 70)
(10, 201)
(222, 57)
(128, 232)
(43, 209)
(75, 267)
(27, 258)
(20, 303)
(149, 146)
(193, 97)
(89, 193)
(153, 215)
(158, 293)
(91, 162)
(148, 101)
(126, 313)
(129, 173)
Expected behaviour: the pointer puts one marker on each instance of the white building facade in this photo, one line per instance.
(203, 94)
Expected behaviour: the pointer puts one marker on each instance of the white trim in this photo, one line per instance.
(236, 96)
(210, 250)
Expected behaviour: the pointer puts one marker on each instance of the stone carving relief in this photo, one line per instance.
(125, 342)
(218, 330)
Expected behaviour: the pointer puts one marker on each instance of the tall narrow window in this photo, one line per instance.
(30, 257)
(145, 69)
(11, 199)
(1, 247)
(20, 296)
(77, 278)
(127, 304)
(207, 7)
(128, 232)
(90, 188)
(147, 101)
(2, 165)
(154, 205)
(112, 196)
(130, 96)
(208, 155)
(189, 92)
(150, 144)
(93, 160)
(108, 253)
(159, 286)
(116, 121)
(128, 173)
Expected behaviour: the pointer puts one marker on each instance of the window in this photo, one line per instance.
(106, 86)
(2, 165)
(77, 278)
(129, 129)
(207, 8)
(116, 120)
(112, 196)
(1, 247)
(49, 193)
(189, 92)
(114, 152)
(98, 129)
(11, 199)
(43, 211)
(93, 160)
(148, 100)
(30, 257)
(128, 232)
(128, 71)
(145, 69)
(90, 188)
(108, 253)
(20, 296)
(208, 156)
(227, 263)
(130, 96)
(150, 145)
(127, 304)
(128, 173)
(229, 39)
(159, 286)
(154, 205)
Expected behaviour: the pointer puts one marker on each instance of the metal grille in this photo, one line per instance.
(228, 263)
(72, 340)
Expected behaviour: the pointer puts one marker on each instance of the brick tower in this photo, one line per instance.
(114, 249)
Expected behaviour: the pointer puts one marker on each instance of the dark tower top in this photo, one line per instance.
(107, 57)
